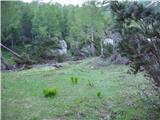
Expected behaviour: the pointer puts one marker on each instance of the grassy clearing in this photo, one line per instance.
(23, 99)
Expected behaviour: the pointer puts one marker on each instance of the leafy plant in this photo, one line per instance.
(78, 101)
(34, 118)
(99, 94)
(50, 92)
(91, 84)
(74, 80)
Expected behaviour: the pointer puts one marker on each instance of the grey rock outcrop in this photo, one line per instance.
(89, 50)
(63, 47)
(114, 38)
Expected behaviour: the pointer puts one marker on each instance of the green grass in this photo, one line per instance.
(23, 99)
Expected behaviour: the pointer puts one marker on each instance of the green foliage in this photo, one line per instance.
(50, 92)
(74, 80)
(8, 57)
(107, 50)
(138, 100)
(91, 84)
(41, 26)
(10, 22)
(91, 28)
(99, 94)
(63, 57)
(34, 118)
(140, 32)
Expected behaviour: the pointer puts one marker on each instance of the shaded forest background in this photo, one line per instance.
(35, 29)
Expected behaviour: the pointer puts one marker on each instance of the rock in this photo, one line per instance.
(118, 59)
(108, 41)
(88, 50)
(116, 56)
(63, 46)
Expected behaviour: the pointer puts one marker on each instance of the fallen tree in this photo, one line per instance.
(11, 51)
(22, 62)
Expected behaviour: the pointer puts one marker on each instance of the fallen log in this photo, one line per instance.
(11, 51)
(22, 62)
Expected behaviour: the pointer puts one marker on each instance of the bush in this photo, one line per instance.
(50, 92)
(74, 80)
(91, 84)
(107, 50)
(64, 57)
(99, 94)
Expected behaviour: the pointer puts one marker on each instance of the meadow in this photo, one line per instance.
(103, 92)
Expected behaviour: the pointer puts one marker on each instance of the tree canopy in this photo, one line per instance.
(139, 27)
(29, 27)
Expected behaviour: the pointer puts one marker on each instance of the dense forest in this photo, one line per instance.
(36, 28)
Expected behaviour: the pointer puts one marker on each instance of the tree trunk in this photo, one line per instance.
(102, 49)
(12, 52)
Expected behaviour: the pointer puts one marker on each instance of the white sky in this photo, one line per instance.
(66, 2)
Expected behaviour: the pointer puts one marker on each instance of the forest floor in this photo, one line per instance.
(23, 99)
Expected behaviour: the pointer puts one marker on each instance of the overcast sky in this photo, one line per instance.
(66, 2)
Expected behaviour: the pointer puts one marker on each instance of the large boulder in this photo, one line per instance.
(118, 59)
(59, 54)
(106, 47)
(89, 50)
(63, 47)
(114, 38)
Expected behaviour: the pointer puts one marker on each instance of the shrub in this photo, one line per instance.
(98, 94)
(63, 57)
(91, 84)
(107, 50)
(74, 80)
(50, 92)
